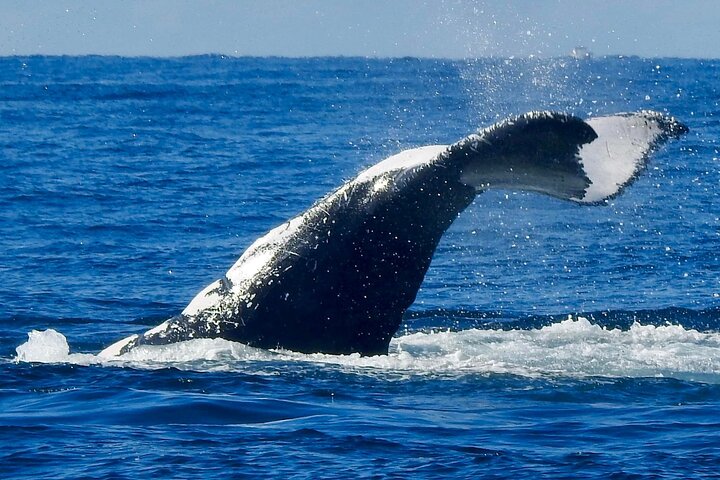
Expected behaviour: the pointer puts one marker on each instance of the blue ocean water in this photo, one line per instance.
(548, 340)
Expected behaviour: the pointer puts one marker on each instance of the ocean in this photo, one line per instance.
(549, 340)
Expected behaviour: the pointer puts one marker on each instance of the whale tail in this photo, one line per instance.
(339, 277)
(561, 155)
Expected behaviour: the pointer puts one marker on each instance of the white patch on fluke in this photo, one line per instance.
(618, 154)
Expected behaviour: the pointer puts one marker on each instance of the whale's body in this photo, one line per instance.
(338, 277)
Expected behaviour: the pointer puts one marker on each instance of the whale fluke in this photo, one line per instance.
(338, 277)
(622, 149)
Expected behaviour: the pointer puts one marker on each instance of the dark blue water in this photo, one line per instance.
(549, 340)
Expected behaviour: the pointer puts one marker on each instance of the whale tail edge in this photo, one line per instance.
(557, 154)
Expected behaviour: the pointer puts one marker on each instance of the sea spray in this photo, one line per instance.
(571, 348)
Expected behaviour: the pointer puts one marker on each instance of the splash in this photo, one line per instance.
(510, 61)
(575, 347)
(498, 87)
(50, 346)
(571, 348)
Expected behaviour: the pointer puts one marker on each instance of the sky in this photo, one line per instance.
(370, 28)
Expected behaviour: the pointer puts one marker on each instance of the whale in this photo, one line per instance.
(338, 278)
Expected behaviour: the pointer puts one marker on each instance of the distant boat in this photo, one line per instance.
(580, 53)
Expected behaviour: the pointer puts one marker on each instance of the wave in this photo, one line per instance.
(707, 319)
(574, 347)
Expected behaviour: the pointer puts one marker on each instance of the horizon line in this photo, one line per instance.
(350, 57)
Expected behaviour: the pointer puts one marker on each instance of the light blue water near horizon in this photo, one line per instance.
(548, 339)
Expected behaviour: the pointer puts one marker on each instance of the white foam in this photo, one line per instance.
(572, 348)
(50, 346)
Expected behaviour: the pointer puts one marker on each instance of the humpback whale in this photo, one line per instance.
(338, 278)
